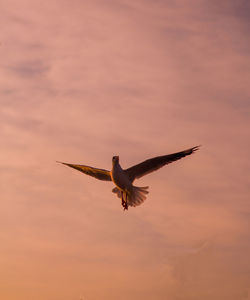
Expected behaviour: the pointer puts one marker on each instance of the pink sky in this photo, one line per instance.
(81, 81)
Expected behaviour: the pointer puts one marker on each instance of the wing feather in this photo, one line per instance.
(156, 163)
(100, 174)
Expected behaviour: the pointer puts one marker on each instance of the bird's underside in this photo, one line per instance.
(123, 179)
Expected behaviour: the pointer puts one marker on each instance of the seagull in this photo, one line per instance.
(123, 179)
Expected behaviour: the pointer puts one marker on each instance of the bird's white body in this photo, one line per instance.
(130, 194)
(120, 178)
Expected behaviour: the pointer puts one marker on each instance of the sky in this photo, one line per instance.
(81, 81)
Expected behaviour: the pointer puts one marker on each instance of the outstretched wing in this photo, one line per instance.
(94, 172)
(156, 163)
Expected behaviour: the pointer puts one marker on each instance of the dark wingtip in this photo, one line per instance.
(192, 150)
(60, 162)
(195, 148)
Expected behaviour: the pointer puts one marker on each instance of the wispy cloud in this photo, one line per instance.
(82, 81)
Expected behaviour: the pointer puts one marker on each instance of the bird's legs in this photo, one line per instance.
(124, 200)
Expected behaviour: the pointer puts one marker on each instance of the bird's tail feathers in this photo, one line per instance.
(136, 197)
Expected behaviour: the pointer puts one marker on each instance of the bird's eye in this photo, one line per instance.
(113, 158)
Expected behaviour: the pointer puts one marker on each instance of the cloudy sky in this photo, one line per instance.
(81, 81)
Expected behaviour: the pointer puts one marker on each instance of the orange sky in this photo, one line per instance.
(81, 81)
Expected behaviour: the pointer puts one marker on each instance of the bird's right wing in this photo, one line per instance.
(100, 174)
(156, 163)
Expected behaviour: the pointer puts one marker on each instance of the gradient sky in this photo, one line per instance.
(81, 81)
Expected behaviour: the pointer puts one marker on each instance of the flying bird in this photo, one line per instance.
(123, 179)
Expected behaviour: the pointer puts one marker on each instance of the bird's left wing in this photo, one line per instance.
(100, 174)
(156, 163)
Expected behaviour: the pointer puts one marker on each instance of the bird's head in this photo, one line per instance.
(115, 160)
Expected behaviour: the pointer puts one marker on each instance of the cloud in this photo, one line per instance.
(82, 81)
